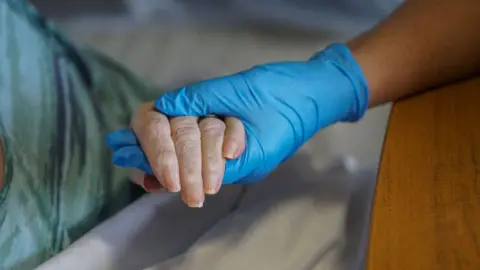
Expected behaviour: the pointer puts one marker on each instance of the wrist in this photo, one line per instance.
(372, 72)
(341, 58)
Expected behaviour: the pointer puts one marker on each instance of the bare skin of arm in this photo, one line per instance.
(423, 44)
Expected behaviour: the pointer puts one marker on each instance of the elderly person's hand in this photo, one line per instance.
(186, 154)
(281, 105)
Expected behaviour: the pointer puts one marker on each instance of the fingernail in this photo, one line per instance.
(175, 188)
(175, 180)
(211, 191)
(231, 150)
(196, 205)
(214, 190)
(192, 203)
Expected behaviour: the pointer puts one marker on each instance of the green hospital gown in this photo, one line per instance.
(57, 103)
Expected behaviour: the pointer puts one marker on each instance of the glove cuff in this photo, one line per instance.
(341, 57)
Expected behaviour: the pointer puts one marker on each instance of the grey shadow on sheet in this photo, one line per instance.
(173, 232)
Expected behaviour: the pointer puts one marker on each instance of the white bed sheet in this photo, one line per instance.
(299, 218)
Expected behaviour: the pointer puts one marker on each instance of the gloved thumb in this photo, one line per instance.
(132, 157)
(121, 138)
(216, 96)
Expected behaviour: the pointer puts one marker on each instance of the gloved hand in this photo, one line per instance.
(281, 105)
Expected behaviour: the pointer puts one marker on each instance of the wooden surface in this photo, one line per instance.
(426, 212)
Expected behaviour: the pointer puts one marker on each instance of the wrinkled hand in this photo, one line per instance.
(281, 105)
(184, 153)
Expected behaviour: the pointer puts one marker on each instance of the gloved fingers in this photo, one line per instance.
(187, 139)
(213, 163)
(235, 170)
(154, 133)
(132, 157)
(246, 165)
(201, 99)
(234, 142)
(121, 138)
(237, 173)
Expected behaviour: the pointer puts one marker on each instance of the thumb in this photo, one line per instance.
(120, 138)
(216, 96)
(132, 157)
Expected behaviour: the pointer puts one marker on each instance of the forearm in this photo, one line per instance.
(423, 44)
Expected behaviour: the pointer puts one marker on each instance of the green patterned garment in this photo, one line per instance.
(57, 102)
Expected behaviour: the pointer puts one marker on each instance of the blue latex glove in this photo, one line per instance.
(282, 105)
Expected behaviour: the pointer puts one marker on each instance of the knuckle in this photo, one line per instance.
(187, 142)
(142, 109)
(154, 128)
(166, 156)
(182, 121)
(145, 107)
(151, 125)
(212, 126)
(187, 147)
(234, 123)
(186, 132)
(140, 112)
